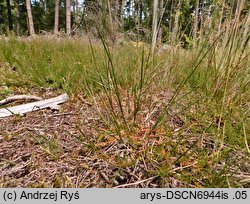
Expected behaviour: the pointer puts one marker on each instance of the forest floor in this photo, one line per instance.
(66, 148)
(179, 118)
(54, 149)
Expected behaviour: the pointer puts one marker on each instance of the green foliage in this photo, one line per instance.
(3, 15)
(197, 133)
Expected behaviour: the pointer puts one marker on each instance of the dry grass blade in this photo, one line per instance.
(136, 183)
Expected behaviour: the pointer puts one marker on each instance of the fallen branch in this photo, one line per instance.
(29, 107)
(19, 97)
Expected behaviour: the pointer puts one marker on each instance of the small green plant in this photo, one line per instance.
(49, 146)
(4, 90)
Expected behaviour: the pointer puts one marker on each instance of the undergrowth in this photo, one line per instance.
(185, 113)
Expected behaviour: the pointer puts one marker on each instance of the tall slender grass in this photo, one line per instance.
(208, 84)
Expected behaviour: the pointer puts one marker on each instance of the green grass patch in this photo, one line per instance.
(188, 134)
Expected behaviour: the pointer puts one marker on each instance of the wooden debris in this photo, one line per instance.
(29, 107)
(19, 97)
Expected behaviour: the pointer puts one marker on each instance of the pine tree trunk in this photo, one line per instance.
(123, 2)
(68, 18)
(176, 23)
(77, 12)
(141, 11)
(17, 17)
(56, 23)
(110, 16)
(117, 8)
(2, 18)
(159, 39)
(9, 15)
(154, 25)
(196, 18)
(30, 18)
(170, 17)
(137, 9)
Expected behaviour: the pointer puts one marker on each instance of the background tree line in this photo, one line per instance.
(159, 20)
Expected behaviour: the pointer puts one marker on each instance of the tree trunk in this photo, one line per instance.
(196, 19)
(30, 18)
(170, 16)
(68, 18)
(176, 23)
(117, 8)
(141, 12)
(77, 12)
(1, 15)
(17, 17)
(56, 23)
(110, 16)
(154, 25)
(159, 39)
(123, 2)
(128, 8)
(137, 18)
(9, 15)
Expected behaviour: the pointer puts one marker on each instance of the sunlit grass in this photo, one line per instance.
(184, 112)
